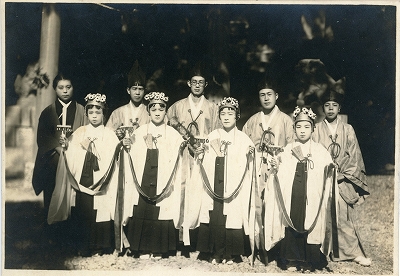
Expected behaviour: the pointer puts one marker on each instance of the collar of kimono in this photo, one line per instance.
(135, 109)
(64, 112)
(153, 134)
(332, 128)
(227, 136)
(133, 119)
(64, 104)
(195, 108)
(92, 131)
(266, 124)
(299, 150)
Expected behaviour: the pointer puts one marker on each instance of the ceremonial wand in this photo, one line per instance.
(189, 138)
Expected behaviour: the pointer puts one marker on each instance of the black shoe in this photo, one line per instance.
(237, 259)
(307, 267)
(185, 252)
(204, 256)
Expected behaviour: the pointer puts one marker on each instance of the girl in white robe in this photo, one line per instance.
(153, 217)
(90, 151)
(298, 201)
(223, 207)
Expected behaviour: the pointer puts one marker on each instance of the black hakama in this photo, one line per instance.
(294, 247)
(213, 237)
(144, 231)
(91, 236)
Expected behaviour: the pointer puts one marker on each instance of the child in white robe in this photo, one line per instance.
(302, 188)
(88, 155)
(152, 222)
(221, 208)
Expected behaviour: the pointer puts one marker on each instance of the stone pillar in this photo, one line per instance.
(48, 63)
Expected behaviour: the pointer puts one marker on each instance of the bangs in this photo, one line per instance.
(90, 106)
(162, 105)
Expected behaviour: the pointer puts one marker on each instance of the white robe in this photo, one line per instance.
(237, 209)
(127, 115)
(105, 142)
(168, 145)
(274, 222)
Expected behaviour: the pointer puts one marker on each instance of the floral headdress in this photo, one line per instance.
(304, 114)
(156, 96)
(229, 102)
(101, 98)
(96, 99)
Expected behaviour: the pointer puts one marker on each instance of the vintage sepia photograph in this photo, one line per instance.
(196, 137)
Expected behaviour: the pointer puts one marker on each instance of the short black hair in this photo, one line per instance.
(59, 77)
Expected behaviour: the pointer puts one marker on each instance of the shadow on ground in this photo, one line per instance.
(32, 244)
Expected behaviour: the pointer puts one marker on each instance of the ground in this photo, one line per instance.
(28, 249)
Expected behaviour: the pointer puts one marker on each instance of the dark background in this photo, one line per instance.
(172, 38)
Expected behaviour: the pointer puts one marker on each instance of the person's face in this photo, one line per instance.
(157, 113)
(64, 90)
(331, 110)
(197, 84)
(303, 131)
(228, 118)
(95, 115)
(136, 92)
(267, 98)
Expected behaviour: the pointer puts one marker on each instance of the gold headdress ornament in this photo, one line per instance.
(96, 99)
(304, 114)
(156, 97)
(229, 102)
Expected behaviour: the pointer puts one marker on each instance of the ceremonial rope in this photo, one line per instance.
(283, 207)
(167, 186)
(215, 195)
(100, 186)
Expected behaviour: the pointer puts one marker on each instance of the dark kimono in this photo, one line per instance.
(44, 172)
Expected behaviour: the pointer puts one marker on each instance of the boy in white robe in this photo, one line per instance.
(199, 117)
(268, 128)
(133, 114)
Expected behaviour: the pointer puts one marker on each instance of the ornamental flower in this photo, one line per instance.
(229, 101)
(296, 111)
(311, 114)
(156, 96)
(97, 97)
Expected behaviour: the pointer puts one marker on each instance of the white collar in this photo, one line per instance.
(195, 109)
(305, 148)
(135, 107)
(156, 130)
(271, 115)
(64, 105)
(93, 132)
(227, 136)
(332, 128)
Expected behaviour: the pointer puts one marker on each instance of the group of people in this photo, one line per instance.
(157, 179)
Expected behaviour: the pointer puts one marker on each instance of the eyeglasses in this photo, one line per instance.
(195, 82)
